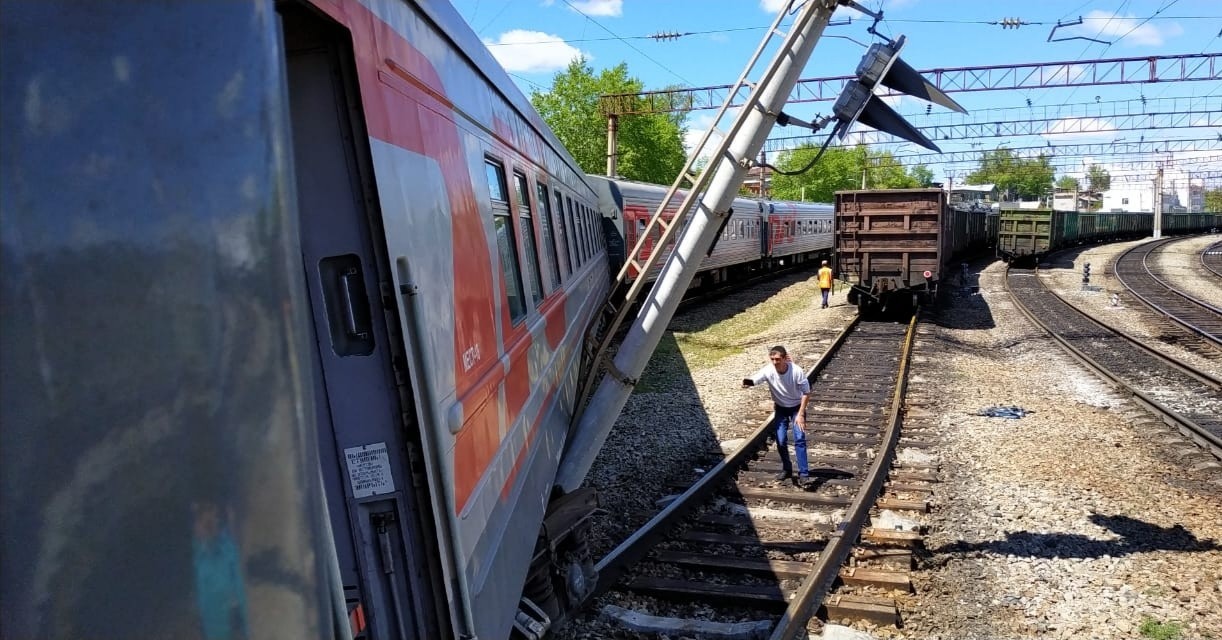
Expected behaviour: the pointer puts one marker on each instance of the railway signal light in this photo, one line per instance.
(882, 66)
(1086, 274)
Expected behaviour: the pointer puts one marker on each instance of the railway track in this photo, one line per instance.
(1138, 272)
(1211, 259)
(1185, 398)
(739, 554)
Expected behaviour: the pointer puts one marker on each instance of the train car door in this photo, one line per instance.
(368, 437)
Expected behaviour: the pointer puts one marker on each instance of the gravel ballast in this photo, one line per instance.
(1083, 519)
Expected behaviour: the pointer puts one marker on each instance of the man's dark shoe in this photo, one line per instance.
(784, 475)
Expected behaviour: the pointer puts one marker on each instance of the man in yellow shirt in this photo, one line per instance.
(825, 281)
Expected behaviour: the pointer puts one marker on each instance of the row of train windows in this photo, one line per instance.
(807, 227)
(741, 229)
(570, 234)
(750, 229)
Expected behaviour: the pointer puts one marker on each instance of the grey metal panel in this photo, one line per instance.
(158, 474)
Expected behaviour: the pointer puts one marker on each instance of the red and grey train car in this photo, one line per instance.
(759, 235)
(294, 294)
(893, 246)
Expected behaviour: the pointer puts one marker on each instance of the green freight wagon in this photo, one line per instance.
(1033, 233)
(1174, 223)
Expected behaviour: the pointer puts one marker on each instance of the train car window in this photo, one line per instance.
(506, 243)
(575, 225)
(640, 229)
(528, 238)
(594, 231)
(585, 225)
(566, 232)
(596, 228)
(549, 240)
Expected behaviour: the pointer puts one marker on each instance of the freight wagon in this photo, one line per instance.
(1027, 235)
(893, 246)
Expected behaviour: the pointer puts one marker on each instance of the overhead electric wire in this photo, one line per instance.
(630, 45)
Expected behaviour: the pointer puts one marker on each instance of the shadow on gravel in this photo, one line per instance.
(1136, 536)
(739, 300)
(959, 304)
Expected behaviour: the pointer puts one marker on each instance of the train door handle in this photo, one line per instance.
(349, 318)
(347, 288)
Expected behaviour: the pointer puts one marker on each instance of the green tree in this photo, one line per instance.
(842, 169)
(1027, 178)
(1098, 179)
(650, 146)
(885, 172)
(839, 169)
(1068, 183)
(1213, 200)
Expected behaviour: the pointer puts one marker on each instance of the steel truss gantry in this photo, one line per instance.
(1073, 150)
(1045, 127)
(1037, 75)
(1208, 178)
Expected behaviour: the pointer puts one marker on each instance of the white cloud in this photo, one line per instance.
(1105, 25)
(533, 51)
(607, 8)
(696, 127)
(773, 6)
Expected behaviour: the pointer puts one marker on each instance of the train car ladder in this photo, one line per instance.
(692, 231)
(637, 265)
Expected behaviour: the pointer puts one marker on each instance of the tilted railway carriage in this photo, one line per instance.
(232, 230)
(759, 234)
(798, 230)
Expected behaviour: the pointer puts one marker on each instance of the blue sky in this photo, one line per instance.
(535, 38)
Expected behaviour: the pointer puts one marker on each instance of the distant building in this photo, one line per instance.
(759, 179)
(1139, 198)
(1196, 196)
(981, 195)
(1073, 201)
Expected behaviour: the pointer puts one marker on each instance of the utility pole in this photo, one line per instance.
(721, 180)
(763, 174)
(612, 144)
(1158, 204)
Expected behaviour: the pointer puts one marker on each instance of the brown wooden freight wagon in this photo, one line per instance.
(895, 245)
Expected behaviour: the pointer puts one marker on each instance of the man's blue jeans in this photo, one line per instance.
(825, 292)
(786, 425)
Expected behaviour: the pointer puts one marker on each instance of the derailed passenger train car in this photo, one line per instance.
(758, 236)
(294, 295)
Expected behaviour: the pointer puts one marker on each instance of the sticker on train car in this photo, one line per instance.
(369, 470)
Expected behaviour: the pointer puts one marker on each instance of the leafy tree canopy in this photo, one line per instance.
(1068, 183)
(1098, 179)
(1213, 201)
(841, 169)
(1026, 178)
(650, 146)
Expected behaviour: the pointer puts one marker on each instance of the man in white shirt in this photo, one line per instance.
(789, 387)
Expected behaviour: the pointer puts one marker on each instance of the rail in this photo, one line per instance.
(1200, 434)
(1134, 271)
(818, 579)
